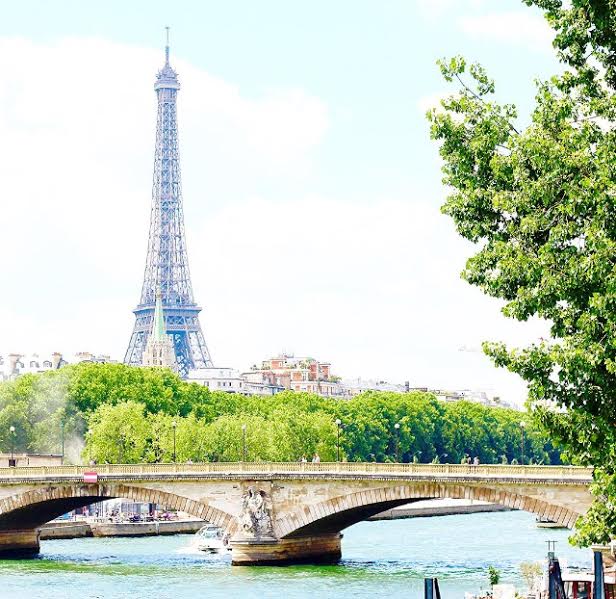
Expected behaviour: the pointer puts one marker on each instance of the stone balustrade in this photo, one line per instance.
(329, 469)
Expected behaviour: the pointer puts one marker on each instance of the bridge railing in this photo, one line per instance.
(342, 468)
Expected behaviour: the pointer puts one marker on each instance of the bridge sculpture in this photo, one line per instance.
(275, 513)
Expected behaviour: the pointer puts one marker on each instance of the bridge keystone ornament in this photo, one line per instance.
(255, 520)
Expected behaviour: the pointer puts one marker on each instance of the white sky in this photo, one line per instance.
(299, 239)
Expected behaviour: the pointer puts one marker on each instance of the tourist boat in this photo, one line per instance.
(210, 538)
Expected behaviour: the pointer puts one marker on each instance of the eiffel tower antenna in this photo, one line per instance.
(166, 269)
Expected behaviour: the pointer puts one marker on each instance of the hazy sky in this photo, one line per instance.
(311, 187)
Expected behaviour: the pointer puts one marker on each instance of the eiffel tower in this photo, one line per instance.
(166, 269)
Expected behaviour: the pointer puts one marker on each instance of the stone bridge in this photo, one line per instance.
(277, 513)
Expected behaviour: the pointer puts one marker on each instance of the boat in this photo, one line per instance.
(546, 523)
(211, 539)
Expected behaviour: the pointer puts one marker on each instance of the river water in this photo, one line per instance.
(380, 559)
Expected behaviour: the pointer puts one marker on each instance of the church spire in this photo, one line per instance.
(159, 350)
(158, 326)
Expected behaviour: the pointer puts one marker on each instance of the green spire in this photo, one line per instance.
(158, 328)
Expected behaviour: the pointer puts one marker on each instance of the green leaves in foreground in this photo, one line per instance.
(540, 203)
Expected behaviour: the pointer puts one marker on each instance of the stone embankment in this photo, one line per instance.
(439, 507)
(78, 529)
(74, 530)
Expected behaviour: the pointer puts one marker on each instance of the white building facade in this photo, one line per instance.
(218, 379)
(13, 365)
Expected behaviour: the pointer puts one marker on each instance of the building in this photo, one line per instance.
(159, 347)
(85, 356)
(166, 267)
(218, 379)
(30, 459)
(356, 386)
(260, 387)
(231, 381)
(297, 374)
(15, 364)
(474, 396)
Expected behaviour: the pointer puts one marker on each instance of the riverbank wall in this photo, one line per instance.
(439, 507)
(421, 509)
(75, 530)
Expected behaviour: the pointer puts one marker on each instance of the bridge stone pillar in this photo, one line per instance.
(318, 549)
(19, 543)
(255, 541)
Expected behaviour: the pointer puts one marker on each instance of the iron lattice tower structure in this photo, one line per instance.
(166, 269)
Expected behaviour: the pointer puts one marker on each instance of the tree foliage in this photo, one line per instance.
(127, 414)
(539, 202)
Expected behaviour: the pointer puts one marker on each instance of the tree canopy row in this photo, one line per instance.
(114, 413)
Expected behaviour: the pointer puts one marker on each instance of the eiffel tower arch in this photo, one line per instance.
(166, 269)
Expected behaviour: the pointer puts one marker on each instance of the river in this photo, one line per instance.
(380, 559)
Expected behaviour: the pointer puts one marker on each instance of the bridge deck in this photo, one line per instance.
(285, 470)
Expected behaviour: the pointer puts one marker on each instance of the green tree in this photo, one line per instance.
(192, 440)
(118, 433)
(15, 415)
(48, 406)
(298, 433)
(540, 203)
(493, 575)
(160, 438)
(223, 438)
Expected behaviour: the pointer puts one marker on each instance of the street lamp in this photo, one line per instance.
(397, 427)
(62, 439)
(12, 431)
(338, 426)
(522, 427)
(122, 442)
(174, 426)
(243, 442)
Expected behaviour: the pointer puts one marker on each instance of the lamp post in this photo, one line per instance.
(87, 436)
(243, 442)
(174, 425)
(121, 444)
(12, 431)
(397, 427)
(522, 427)
(338, 426)
(62, 440)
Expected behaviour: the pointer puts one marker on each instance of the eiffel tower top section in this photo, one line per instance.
(166, 269)
(167, 78)
(167, 261)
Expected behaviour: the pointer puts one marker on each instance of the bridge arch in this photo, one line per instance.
(33, 508)
(334, 514)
